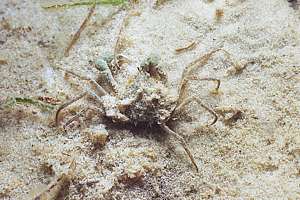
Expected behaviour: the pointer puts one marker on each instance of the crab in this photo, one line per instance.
(147, 99)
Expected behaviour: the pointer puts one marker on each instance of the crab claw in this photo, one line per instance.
(116, 116)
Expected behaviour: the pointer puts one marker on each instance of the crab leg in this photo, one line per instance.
(99, 88)
(184, 85)
(73, 101)
(203, 60)
(197, 100)
(196, 64)
(66, 105)
(182, 142)
(211, 79)
(73, 118)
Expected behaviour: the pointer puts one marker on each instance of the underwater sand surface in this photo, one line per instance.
(252, 152)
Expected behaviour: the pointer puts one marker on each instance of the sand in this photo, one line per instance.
(255, 156)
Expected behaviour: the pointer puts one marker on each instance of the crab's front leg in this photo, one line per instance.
(99, 88)
(65, 105)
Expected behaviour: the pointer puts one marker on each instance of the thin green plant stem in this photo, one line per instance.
(11, 102)
(85, 3)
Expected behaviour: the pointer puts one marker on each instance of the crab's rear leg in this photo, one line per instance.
(198, 63)
(216, 90)
(182, 142)
(197, 100)
(184, 85)
(182, 101)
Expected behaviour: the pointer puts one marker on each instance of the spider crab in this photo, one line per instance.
(147, 99)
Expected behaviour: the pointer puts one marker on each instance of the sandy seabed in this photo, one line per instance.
(255, 155)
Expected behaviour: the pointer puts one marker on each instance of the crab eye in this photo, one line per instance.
(150, 63)
(101, 65)
(103, 61)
